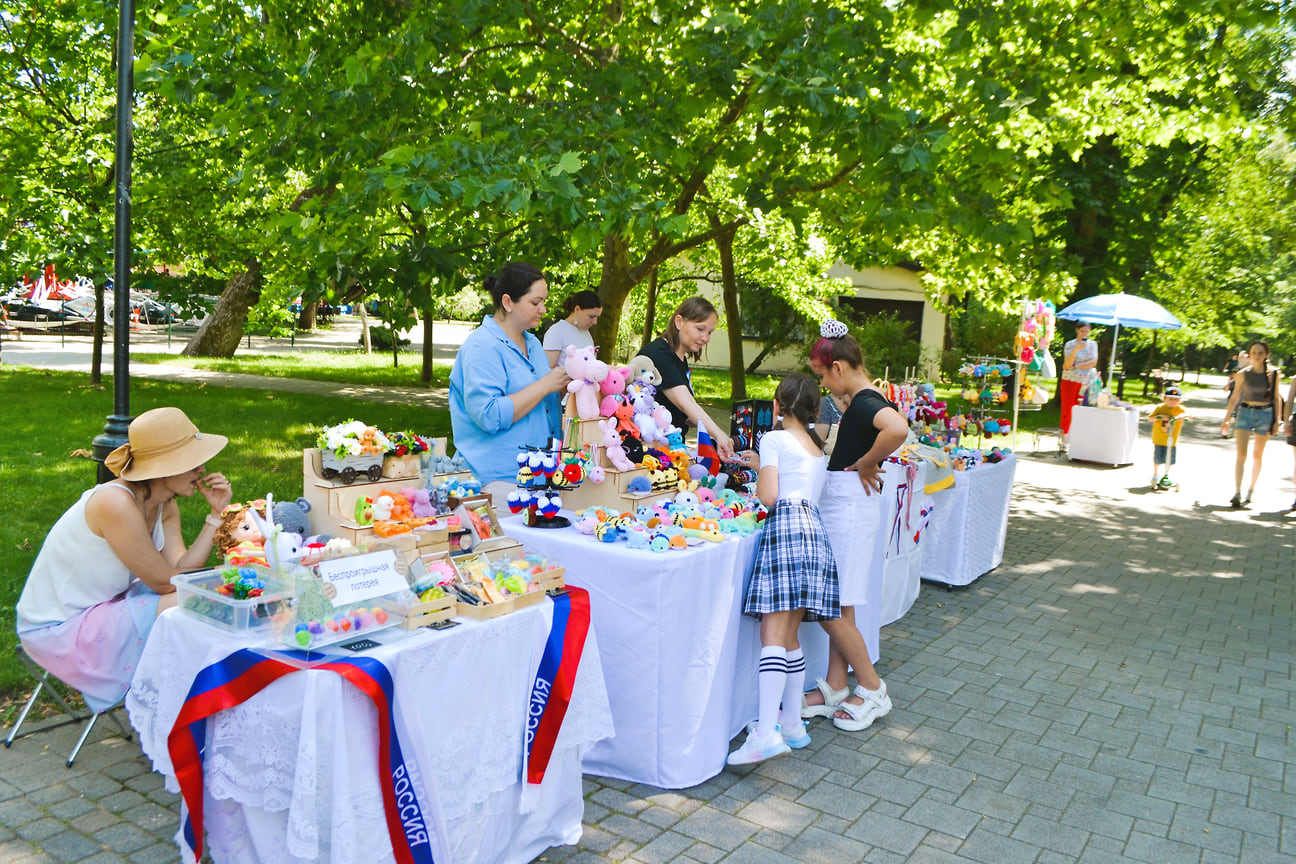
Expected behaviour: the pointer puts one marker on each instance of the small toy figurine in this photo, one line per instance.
(587, 373)
(616, 452)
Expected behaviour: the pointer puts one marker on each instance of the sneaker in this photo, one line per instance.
(757, 749)
(794, 740)
(1165, 482)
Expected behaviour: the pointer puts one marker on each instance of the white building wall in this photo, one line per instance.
(878, 283)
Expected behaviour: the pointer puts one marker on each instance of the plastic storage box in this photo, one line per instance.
(198, 594)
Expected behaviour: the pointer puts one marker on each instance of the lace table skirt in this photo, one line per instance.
(291, 774)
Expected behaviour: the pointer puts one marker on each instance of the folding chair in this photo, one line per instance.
(45, 683)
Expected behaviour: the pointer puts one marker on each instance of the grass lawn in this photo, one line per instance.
(339, 367)
(60, 413)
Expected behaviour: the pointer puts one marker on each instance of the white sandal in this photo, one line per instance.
(877, 704)
(832, 699)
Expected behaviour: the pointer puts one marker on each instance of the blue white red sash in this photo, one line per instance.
(551, 692)
(242, 675)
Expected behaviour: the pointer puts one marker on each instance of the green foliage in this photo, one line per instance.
(61, 413)
(466, 304)
(886, 342)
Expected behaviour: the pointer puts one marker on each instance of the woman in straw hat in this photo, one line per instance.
(104, 571)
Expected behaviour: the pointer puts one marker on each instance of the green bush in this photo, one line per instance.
(886, 343)
(380, 338)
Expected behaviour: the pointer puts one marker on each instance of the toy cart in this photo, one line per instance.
(349, 467)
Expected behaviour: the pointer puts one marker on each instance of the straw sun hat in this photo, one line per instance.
(163, 443)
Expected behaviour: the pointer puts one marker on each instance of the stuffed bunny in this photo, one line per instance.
(612, 441)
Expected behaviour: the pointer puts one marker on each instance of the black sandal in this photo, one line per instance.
(1236, 501)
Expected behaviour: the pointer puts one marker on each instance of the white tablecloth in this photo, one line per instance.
(969, 522)
(1106, 435)
(291, 774)
(679, 657)
(904, 504)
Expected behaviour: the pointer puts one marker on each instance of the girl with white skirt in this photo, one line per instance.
(851, 506)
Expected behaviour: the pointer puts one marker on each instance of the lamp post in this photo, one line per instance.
(114, 433)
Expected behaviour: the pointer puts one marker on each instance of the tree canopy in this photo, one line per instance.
(339, 146)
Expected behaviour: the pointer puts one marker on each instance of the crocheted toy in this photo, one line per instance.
(587, 373)
(291, 515)
(615, 451)
(644, 371)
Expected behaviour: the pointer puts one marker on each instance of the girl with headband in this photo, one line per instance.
(871, 429)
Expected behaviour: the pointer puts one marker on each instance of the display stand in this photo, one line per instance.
(987, 384)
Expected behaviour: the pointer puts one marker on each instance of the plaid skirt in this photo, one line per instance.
(794, 567)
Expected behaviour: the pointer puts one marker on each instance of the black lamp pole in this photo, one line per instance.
(114, 433)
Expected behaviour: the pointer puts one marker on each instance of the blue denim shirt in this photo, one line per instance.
(487, 369)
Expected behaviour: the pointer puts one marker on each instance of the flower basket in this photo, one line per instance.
(350, 449)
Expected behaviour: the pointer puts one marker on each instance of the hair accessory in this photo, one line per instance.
(831, 329)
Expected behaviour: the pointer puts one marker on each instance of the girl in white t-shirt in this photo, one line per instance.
(794, 576)
(581, 311)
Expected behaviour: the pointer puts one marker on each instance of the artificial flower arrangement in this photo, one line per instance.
(407, 444)
(353, 438)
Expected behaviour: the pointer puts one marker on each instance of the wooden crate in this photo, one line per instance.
(486, 611)
(428, 612)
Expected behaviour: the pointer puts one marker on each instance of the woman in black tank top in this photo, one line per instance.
(1258, 401)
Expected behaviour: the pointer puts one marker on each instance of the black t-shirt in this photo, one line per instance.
(857, 434)
(674, 373)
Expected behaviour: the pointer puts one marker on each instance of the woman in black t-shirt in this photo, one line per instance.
(688, 332)
(871, 430)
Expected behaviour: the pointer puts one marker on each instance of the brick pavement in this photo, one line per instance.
(1120, 689)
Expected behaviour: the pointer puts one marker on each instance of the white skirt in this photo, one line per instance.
(853, 521)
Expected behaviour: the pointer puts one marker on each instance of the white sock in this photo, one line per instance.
(793, 691)
(772, 677)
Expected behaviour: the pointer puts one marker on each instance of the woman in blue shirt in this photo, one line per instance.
(503, 395)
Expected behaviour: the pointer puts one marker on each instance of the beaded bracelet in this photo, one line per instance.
(212, 521)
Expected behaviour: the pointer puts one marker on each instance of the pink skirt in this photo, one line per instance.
(97, 650)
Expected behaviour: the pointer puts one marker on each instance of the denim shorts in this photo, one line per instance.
(1257, 420)
(1159, 453)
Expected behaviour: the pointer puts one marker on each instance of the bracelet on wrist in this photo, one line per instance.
(213, 521)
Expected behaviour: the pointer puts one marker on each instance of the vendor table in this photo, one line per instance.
(291, 775)
(679, 657)
(1105, 435)
(969, 523)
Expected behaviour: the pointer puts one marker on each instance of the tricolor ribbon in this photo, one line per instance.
(551, 692)
(242, 675)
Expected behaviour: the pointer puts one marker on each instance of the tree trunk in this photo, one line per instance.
(306, 320)
(755, 364)
(733, 317)
(429, 349)
(650, 315)
(615, 285)
(364, 328)
(96, 349)
(220, 334)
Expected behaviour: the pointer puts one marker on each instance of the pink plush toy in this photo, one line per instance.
(587, 373)
(609, 405)
(615, 382)
(612, 441)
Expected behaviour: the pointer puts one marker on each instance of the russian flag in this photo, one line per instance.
(707, 456)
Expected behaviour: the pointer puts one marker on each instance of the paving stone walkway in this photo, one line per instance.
(1119, 689)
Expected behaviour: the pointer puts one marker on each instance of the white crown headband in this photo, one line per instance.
(831, 329)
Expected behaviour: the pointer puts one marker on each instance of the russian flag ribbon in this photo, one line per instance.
(240, 676)
(551, 692)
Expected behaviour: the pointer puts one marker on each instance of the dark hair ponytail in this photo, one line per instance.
(513, 281)
(586, 299)
(798, 397)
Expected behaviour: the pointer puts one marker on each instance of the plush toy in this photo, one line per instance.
(615, 451)
(615, 382)
(633, 447)
(587, 373)
(364, 514)
(292, 516)
(625, 419)
(645, 418)
(281, 546)
(644, 371)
